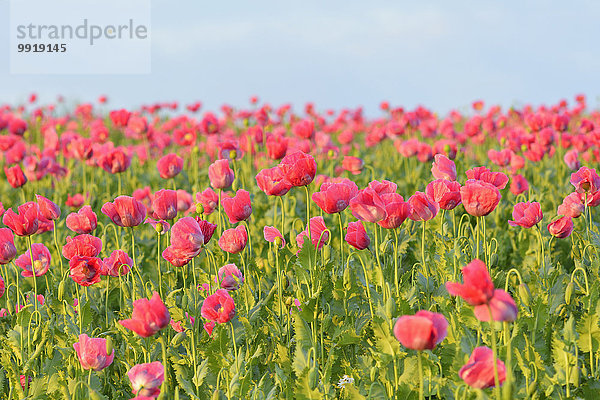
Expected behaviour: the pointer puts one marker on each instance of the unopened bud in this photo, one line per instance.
(278, 241)
(524, 294)
(331, 154)
(178, 339)
(569, 293)
(195, 150)
(109, 346)
(61, 290)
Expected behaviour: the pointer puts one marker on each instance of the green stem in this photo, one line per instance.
(377, 253)
(396, 263)
(279, 288)
(160, 285)
(495, 358)
(234, 344)
(341, 238)
(478, 218)
(282, 214)
(425, 271)
(220, 221)
(543, 251)
(58, 253)
(33, 269)
(421, 385)
(135, 266)
(106, 299)
(119, 188)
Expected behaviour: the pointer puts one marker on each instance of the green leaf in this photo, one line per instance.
(589, 333)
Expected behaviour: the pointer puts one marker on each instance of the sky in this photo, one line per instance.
(440, 54)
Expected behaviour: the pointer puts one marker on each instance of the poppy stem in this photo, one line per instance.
(106, 299)
(455, 240)
(220, 222)
(135, 265)
(396, 263)
(158, 265)
(79, 308)
(119, 187)
(62, 272)
(282, 214)
(35, 302)
(494, 350)
(423, 255)
(421, 384)
(18, 287)
(478, 218)
(341, 238)
(234, 344)
(543, 251)
(279, 288)
(308, 213)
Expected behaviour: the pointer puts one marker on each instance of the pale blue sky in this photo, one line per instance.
(442, 54)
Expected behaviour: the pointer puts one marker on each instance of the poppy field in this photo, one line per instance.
(274, 252)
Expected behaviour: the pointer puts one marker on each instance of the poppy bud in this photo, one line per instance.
(178, 339)
(37, 334)
(195, 150)
(532, 389)
(331, 153)
(199, 209)
(347, 278)
(327, 252)
(109, 345)
(524, 294)
(390, 307)
(233, 154)
(271, 258)
(158, 228)
(278, 241)
(569, 293)
(373, 374)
